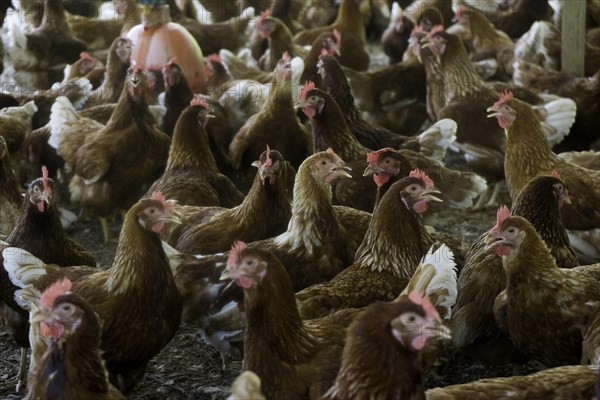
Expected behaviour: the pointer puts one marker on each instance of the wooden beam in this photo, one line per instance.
(573, 36)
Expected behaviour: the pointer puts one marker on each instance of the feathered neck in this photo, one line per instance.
(336, 84)
(274, 326)
(393, 241)
(140, 261)
(529, 262)
(281, 97)
(190, 148)
(34, 227)
(330, 129)
(54, 18)
(313, 222)
(275, 197)
(459, 76)
(130, 108)
(8, 182)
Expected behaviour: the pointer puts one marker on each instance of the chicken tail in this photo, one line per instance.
(435, 140)
(175, 257)
(62, 111)
(76, 90)
(25, 111)
(436, 277)
(23, 268)
(557, 116)
(586, 245)
(460, 188)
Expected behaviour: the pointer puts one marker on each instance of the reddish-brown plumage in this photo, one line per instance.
(177, 96)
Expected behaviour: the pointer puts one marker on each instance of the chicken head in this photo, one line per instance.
(154, 213)
(419, 191)
(41, 192)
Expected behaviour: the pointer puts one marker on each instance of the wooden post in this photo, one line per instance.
(573, 36)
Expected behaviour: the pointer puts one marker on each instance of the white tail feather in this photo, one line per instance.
(23, 268)
(586, 245)
(62, 111)
(560, 116)
(438, 138)
(436, 277)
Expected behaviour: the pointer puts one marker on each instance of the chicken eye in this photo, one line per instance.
(323, 162)
(152, 210)
(249, 262)
(511, 230)
(413, 188)
(411, 318)
(66, 307)
(387, 161)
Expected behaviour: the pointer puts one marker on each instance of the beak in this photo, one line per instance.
(341, 170)
(435, 329)
(228, 274)
(38, 316)
(567, 199)
(173, 217)
(210, 112)
(493, 112)
(371, 169)
(428, 194)
(491, 240)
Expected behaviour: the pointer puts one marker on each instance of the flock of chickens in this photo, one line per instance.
(283, 207)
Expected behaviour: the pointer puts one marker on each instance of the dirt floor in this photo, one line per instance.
(189, 369)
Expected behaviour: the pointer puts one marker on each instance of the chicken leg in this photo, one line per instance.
(21, 378)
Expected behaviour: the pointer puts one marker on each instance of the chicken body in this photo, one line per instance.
(136, 298)
(483, 278)
(191, 176)
(10, 197)
(547, 307)
(385, 261)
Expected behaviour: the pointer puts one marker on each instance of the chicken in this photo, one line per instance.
(264, 213)
(39, 56)
(72, 366)
(246, 386)
(374, 137)
(136, 298)
(294, 359)
(584, 91)
(381, 355)
(456, 91)
(523, 133)
(561, 383)
(349, 23)
(523, 14)
(483, 277)
(178, 95)
(243, 66)
(117, 64)
(395, 38)
(458, 188)
(15, 125)
(326, 43)
(88, 67)
(211, 38)
(279, 40)
(10, 196)
(191, 176)
(38, 220)
(387, 257)
(129, 145)
(277, 115)
(563, 299)
(330, 129)
(392, 96)
(487, 41)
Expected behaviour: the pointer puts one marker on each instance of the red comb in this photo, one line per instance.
(324, 51)
(423, 301)
(460, 10)
(214, 57)
(501, 215)
(286, 57)
(416, 29)
(506, 95)
(417, 173)
(336, 158)
(436, 29)
(338, 36)
(555, 174)
(158, 196)
(55, 290)
(268, 161)
(308, 86)
(86, 55)
(234, 253)
(263, 16)
(373, 156)
(199, 101)
(45, 178)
